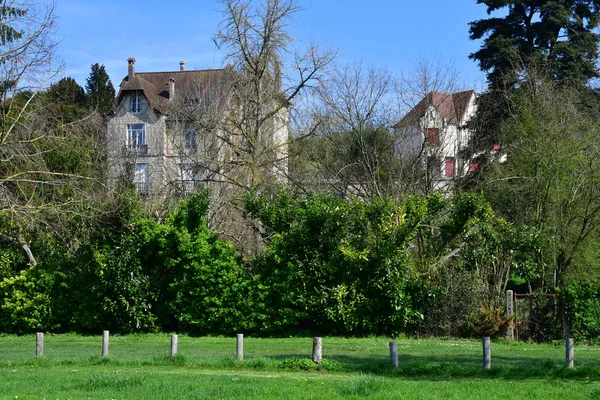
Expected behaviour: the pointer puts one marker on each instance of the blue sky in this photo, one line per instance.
(383, 33)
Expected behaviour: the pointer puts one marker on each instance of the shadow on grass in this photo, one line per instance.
(431, 368)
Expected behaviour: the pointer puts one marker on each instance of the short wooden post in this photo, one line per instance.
(394, 353)
(173, 345)
(105, 344)
(510, 312)
(487, 353)
(317, 354)
(240, 346)
(570, 353)
(39, 344)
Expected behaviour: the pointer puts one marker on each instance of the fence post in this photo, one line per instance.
(317, 354)
(510, 307)
(240, 346)
(394, 353)
(39, 344)
(487, 353)
(173, 345)
(570, 353)
(105, 344)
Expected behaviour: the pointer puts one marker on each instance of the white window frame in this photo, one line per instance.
(189, 178)
(136, 135)
(140, 177)
(135, 104)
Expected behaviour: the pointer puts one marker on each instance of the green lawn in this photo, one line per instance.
(139, 367)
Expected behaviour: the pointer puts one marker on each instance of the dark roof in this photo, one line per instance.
(189, 85)
(451, 106)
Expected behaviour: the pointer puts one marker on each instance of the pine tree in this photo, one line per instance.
(555, 36)
(100, 90)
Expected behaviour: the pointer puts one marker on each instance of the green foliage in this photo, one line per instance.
(558, 37)
(551, 178)
(100, 90)
(201, 276)
(26, 303)
(583, 310)
(333, 265)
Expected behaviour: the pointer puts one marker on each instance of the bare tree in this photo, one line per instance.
(352, 152)
(432, 132)
(33, 194)
(242, 131)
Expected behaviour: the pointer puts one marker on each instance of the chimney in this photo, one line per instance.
(182, 65)
(130, 68)
(171, 88)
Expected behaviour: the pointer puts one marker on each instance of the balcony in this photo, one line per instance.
(184, 187)
(142, 188)
(137, 149)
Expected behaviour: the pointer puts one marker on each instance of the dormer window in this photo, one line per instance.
(136, 104)
(193, 102)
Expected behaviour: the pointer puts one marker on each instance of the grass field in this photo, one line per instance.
(139, 367)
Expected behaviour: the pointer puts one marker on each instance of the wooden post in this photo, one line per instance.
(39, 344)
(240, 346)
(173, 345)
(105, 344)
(317, 354)
(487, 353)
(394, 353)
(510, 307)
(570, 353)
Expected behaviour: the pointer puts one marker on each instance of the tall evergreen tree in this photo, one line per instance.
(67, 92)
(100, 90)
(557, 36)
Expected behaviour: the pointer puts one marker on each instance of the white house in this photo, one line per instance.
(432, 134)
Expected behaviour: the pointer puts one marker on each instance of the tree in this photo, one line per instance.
(37, 197)
(257, 42)
(551, 178)
(100, 90)
(556, 37)
(67, 92)
(352, 151)
(243, 126)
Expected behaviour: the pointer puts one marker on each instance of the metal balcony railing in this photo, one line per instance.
(142, 187)
(138, 149)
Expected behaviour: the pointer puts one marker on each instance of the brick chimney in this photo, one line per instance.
(130, 68)
(171, 88)
(182, 65)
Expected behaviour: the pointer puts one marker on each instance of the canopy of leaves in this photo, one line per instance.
(556, 36)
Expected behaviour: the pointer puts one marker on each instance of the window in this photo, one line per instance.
(136, 139)
(193, 102)
(189, 178)
(449, 166)
(432, 136)
(141, 178)
(136, 104)
(190, 140)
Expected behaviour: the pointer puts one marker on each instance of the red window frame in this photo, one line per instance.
(432, 135)
(450, 166)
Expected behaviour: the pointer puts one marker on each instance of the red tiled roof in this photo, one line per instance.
(451, 106)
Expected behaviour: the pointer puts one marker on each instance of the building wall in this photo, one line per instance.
(119, 155)
(412, 149)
